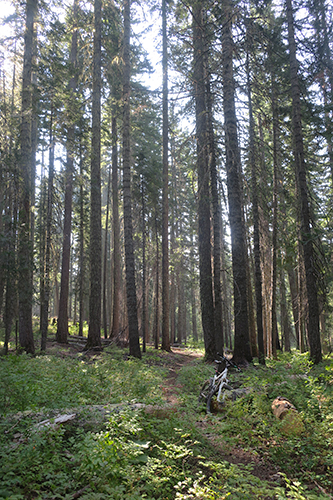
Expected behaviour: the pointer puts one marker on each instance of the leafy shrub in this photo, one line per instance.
(162, 452)
(54, 382)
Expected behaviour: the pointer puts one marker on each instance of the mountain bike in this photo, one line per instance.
(215, 387)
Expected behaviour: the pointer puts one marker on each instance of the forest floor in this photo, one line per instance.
(178, 358)
(120, 404)
(261, 468)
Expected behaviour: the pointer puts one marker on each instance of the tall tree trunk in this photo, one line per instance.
(287, 264)
(285, 325)
(193, 298)
(306, 223)
(42, 239)
(173, 249)
(218, 316)
(10, 265)
(81, 251)
(62, 326)
(105, 260)
(157, 290)
(144, 280)
(250, 304)
(45, 314)
(302, 313)
(265, 245)
(116, 232)
(242, 349)
(256, 228)
(25, 244)
(181, 326)
(226, 304)
(275, 225)
(172, 288)
(128, 227)
(3, 148)
(94, 332)
(181, 320)
(34, 136)
(205, 266)
(165, 201)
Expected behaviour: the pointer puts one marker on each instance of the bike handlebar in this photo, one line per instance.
(228, 362)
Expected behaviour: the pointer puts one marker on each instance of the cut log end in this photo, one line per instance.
(285, 411)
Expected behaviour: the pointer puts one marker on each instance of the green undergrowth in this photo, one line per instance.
(161, 451)
(49, 381)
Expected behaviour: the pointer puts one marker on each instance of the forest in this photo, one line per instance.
(198, 209)
(166, 187)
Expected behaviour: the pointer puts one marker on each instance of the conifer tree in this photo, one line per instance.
(128, 226)
(308, 250)
(94, 332)
(256, 229)
(47, 288)
(165, 203)
(206, 291)
(62, 325)
(242, 350)
(25, 257)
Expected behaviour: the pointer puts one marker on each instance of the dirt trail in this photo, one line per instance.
(178, 358)
(174, 361)
(235, 455)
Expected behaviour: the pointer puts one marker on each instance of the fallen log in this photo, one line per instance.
(285, 411)
(281, 406)
(54, 422)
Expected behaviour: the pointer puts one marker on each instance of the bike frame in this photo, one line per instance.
(217, 385)
(220, 380)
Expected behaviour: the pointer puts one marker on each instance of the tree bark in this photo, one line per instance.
(116, 232)
(25, 257)
(10, 264)
(193, 298)
(256, 228)
(285, 325)
(156, 330)
(105, 260)
(226, 303)
(275, 226)
(81, 251)
(134, 344)
(173, 248)
(172, 288)
(218, 315)
(306, 222)
(206, 291)
(242, 349)
(62, 326)
(3, 148)
(144, 279)
(165, 201)
(47, 280)
(34, 135)
(94, 332)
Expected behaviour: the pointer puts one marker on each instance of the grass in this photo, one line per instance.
(161, 451)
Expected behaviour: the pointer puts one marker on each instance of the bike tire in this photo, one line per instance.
(212, 397)
(204, 392)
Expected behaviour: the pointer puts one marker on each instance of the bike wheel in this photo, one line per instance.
(204, 392)
(212, 398)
